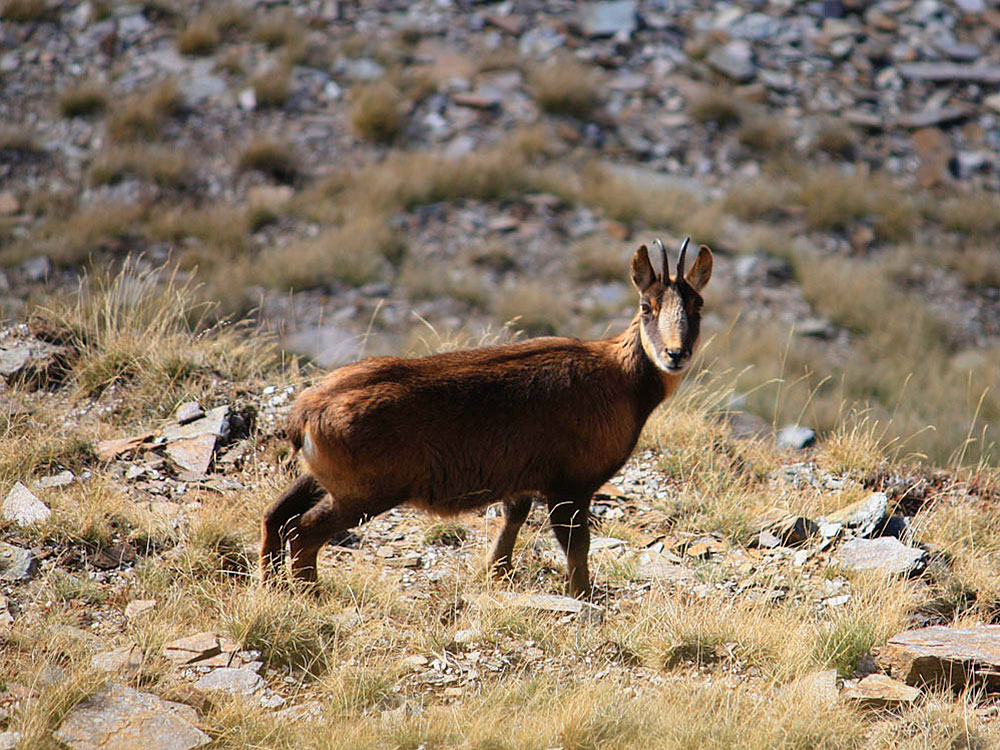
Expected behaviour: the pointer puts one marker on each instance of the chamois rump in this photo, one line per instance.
(549, 417)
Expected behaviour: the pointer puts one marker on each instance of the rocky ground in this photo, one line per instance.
(781, 564)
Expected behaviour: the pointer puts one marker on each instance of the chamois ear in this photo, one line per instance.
(701, 271)
(643, 274)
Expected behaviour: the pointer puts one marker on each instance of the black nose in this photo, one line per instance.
(675, 354)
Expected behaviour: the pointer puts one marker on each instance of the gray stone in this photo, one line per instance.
(970, 6)
(950, 72)
(654, 566)
(62, 479)
(16, 564)
(939, 654)
(958, 51)
(9, 740)
(37, 268)
(733, 60)
(608, 18)
(931, 117)
(215, 422)
(885, 555)
(583, 611)
(125, 719)
(193, 456)
(796, 437)
(188, 412)
(865, 516)
(124, 659)
(30, 361)
(822, 685)
(790, 528)
(881, 691)
(23, 508)
(237, 680)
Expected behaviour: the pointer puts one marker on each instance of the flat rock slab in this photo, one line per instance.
(789, 528)
(126, 658)
(886, 555)
(32, 362)
(16, 564)
(584, 611)
(652, 566)
(9, 740)
(608, 18)
(62, 479)
(201, 649)
(942, 72)
(109, 450)
(188, 412)
(236, 680)
(125, 719)
(215, 422)
(881, 691)
(939, 654)
(864, 515)
(23, 508)
(192, 455)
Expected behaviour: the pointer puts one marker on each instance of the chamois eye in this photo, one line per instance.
(645, 308)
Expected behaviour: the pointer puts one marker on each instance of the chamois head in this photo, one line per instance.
(670, 306)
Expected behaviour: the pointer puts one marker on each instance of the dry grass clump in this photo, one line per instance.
(377, 112)
(18, 141)
(222, 229)
(273, 88)
(97, 227)
(756, 199)
(718, 106)
(25, 11)
(275, 158)
(354, 253)
(535, 307)
(147, 336)
(976, 215)
(83, 98)
(837, 139)
(142, 115)
(601, 258)
(277, 29)
(565, 87)
(836, 200)
(40, 443)
(199, 37)
(763, 134)
(167, 167)
(424, 280)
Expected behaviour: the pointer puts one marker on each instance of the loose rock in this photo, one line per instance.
(126, 719)
(23, 508)
(886, 555)
(16, 564)
(952, 656)
(880, 691)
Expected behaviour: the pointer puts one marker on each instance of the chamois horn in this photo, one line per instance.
(680, 261)
(664, 267)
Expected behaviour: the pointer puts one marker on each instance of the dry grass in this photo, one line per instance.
(83, 99)
(717, 106)
(146, 335)
(200, 37)
(976, 215)
(25, 11)
(277, 159)
(601, 258)
(763, 134)
(221, 230)
(143, 115)
(757, 199)
(836, 139)
(102, 226)
(535, 307)
(273, 88)
(167, 167)
(377, 112)
(278, 29)
(565, 87)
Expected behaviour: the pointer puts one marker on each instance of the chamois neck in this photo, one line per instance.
(636, 364)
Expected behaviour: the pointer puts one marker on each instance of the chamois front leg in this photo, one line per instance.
(515, 512)
(569, 521)
(280, 517)
(326, 520)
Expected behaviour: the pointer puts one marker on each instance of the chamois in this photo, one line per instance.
(548, 417)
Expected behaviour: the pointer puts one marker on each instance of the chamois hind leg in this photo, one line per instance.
(326, 520)
(515, 511)
(280, 517)
(569, 521)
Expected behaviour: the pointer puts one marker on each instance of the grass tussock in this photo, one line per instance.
(274, 158)
(273, 88)
(377, 112)
(535, 307)
(164, 166)
(25, 11)
(836, 139)
(763, 134)
(142, 116)
(976, 216)
(200, 37)
(220, 228)
(717, 106)
(565, 87)
(96, 228)
(278, 29)
(83, 98)
(148, 337)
